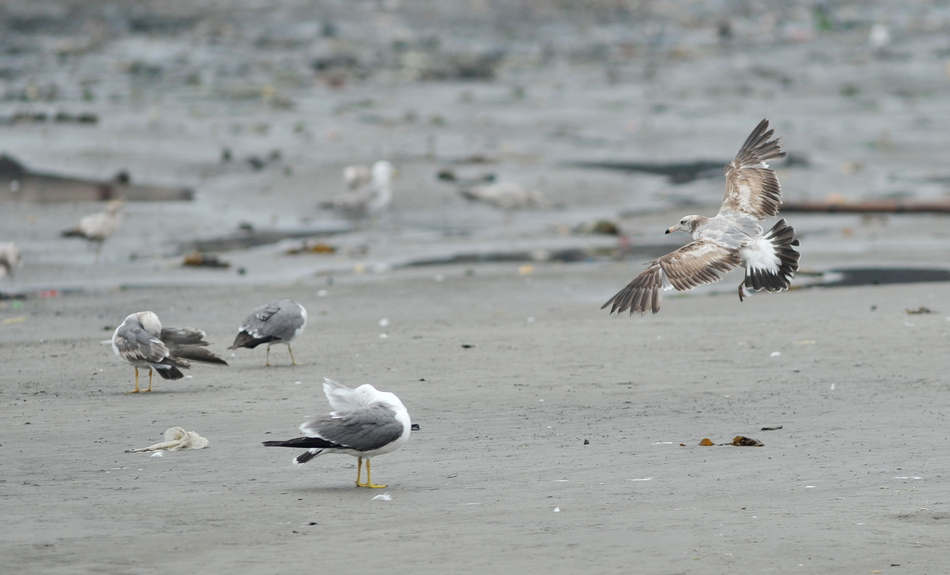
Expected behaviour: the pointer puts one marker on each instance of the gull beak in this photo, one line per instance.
(671, 230)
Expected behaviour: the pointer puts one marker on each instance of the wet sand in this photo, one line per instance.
(852, 482)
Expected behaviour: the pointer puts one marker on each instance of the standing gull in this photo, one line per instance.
(10, 260)
(732, 238)
(97, 227)
(275, 322)
(506, 196)
(364, 423)
(373, 197)
(142, 342)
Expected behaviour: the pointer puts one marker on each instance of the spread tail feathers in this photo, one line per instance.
(782, 237)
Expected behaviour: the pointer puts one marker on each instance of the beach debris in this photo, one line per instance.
(920, 310)
(641, 479)
(775, 428)
(384, 322)
(198, 259)
(775, 354)
(312, 247)
(706, 442)
(414, 426)
(157, 454)
(467, 346)
(383, 497)
(557, 509)
(742, 441)
(602, 227)
(526, 269)
(176, 439)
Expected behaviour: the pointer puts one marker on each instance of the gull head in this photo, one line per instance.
(688, 224)
(383, 172)
(149, 321)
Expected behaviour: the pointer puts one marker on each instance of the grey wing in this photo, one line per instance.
(697, 263)
(136, 344)
(362, 429)
(256, 323)
(183, 336)
(281, 320)
(751, 186)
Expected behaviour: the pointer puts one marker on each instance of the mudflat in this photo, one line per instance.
(554, 438)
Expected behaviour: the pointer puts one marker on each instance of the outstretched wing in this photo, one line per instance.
(698, 263)
(752, 187)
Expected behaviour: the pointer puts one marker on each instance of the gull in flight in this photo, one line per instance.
(142, 342)
(364, 423)
(274, 322)
(731, 238)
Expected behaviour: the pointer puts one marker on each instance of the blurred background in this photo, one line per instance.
(521, 132)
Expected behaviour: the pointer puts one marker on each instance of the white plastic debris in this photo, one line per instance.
(557, 509)
(775, 354)
(383, 335)
(642, 479)
(297, 382)
(177, 439)
(832, 388)
(383, 322)
(189, 377)
(383, 497)
(158, 454)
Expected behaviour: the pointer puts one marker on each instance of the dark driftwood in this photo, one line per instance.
(869, 207)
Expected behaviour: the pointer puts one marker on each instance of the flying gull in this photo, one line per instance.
(372, 197)
(97, 227)
(275, 322)
(731, 238)
(142, 342)
(364, 423)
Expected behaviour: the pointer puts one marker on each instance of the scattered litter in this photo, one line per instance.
(383, 336)
(806, 342)
(12, 320)
(832, 388)
(383, 497)
(809, 487)
(189, 376)
(176, 439)
(452, 476)
(746, 441)
(775, 428)
(642, 479)
(414, 427)
(526, 269)
(662, 443)
(706, 442)
(911, 477)
(383, 322)
(775, 354)
(920, 310)
(297, 383)
(198, 259)
(467, 346)
(557, 509)
(311, 248)
(232, 355)
(158, 454)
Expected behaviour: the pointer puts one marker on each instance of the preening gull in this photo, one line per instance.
(732, 238)
(97, 227)
(142, 342)
(364, 423)
(10, 259)
(371, 198)
(274, 322)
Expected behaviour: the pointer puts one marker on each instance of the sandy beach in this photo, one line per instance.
(553, 437)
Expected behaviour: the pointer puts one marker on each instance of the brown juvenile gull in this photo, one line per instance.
(732, 238)
(10, 260)
(141, 341)
(364, 423)
(97, 227)
(373, 197)
(274, 322)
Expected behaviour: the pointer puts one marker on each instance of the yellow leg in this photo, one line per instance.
(359, 469)
(136, 390)
(292, 360)
(149, 380)
(369, 482)
(267, 360)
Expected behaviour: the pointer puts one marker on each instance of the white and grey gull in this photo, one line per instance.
(364, 423)
(142, 342)
(274, 322)
(731, 238)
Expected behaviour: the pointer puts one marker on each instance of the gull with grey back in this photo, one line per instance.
(364, 423)
(274, 322)
(731, 238)
(142, 342)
